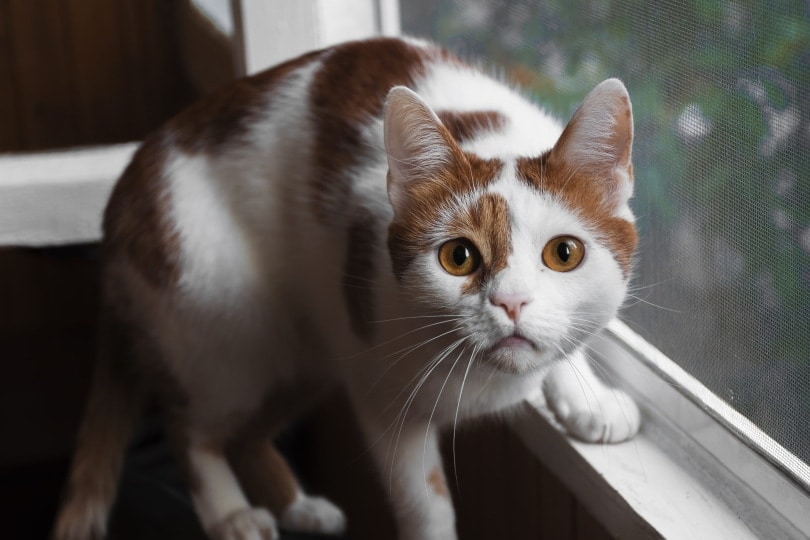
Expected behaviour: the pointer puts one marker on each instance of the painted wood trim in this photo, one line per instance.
(56, 198)
(684, 476)
(270, 32)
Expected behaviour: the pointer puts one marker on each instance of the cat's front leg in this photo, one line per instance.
(412, 473)
(221, 505)
(585, 407)
(269, 482)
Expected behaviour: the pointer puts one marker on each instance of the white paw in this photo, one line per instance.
(587, 409)
(248, 524)
(313, 515)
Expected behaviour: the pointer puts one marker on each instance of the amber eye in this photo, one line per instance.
(459, 257)
(563, 253)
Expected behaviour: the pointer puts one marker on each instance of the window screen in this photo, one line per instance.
(721, 95)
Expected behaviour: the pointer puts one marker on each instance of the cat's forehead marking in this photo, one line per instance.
(468, 125)
(486, 223)
(589, 197)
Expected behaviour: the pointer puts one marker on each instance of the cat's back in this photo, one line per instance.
(297, 124)
(298, 144)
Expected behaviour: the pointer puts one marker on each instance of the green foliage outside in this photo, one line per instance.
(721, 95)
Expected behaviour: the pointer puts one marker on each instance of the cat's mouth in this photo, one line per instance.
(514, 342)
(514, 353)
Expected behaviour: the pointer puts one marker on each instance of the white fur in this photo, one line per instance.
(219, 497)
(529, 131)
(246, 524)
(313, 515)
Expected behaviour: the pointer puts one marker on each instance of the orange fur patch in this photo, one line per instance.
(486, 223)
(348, 90)
(407, 236)
(466, 125)
(437, 483)
(136, 220)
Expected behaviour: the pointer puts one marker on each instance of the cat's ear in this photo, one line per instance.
(418, 146)
(599, 139)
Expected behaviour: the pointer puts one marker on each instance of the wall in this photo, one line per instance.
(72, 72)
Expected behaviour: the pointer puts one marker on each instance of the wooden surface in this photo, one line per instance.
(503, 491)
(77, 72)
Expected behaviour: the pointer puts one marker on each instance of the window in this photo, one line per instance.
(721, 94)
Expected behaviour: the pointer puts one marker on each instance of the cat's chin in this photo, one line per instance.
(515, 354)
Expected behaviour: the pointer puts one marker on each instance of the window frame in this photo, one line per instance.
(703, 466)
(697, 469)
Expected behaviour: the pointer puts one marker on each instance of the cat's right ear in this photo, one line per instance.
(418, 146)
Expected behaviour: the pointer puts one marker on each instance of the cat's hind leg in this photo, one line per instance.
(269, 482)
(112, 411)
(585, 407)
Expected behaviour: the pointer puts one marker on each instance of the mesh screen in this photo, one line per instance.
(721, 95)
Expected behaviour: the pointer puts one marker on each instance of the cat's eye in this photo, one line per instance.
(459, 257)
(563, 253)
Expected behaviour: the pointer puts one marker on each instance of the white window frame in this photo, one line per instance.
(698, 469)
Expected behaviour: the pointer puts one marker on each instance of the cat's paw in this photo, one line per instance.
(587, 409)
(313, 515)
(248, 524)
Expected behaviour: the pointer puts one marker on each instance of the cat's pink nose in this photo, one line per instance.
(512, 303)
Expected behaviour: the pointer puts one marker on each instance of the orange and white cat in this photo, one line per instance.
(377, 215)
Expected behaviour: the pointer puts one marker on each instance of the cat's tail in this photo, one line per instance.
(113, 408)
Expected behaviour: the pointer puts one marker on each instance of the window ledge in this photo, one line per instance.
(685, 475)
(57, 198)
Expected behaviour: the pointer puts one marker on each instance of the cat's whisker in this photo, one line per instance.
(583, 382)
(638, 299)
(458, 408)
(484, 386)
(397, 338)
(408, 350)
(430, 417)
(637, 288)
(595, 365)
(395, 362)
(404, 412)
(446, 351)
(424, 372)
(570, 177)
(411, 317)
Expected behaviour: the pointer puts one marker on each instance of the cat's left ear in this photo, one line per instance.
(599, 139)
(418, 146)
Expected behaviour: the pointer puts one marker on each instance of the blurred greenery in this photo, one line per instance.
(721, 96)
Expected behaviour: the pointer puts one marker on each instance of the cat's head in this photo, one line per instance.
(531, 254)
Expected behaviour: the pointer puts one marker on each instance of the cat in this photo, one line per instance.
(377, 216)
